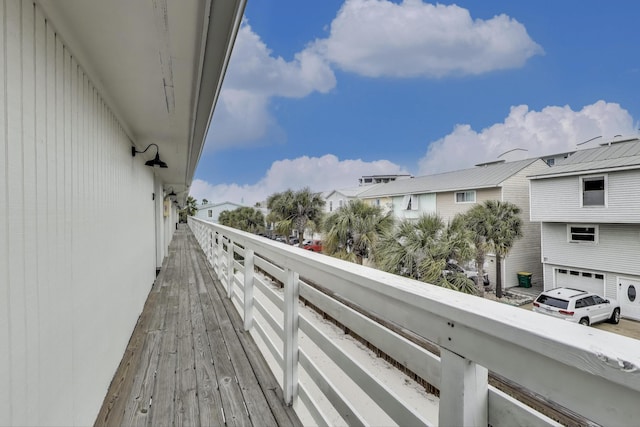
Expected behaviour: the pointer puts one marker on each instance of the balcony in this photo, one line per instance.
(472, 354)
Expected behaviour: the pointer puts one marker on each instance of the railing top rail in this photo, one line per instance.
(561, 360)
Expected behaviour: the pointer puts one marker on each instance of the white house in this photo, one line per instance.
(211, 211)
(93, 94)
(589, 207)
(335, 199)
(450, 193)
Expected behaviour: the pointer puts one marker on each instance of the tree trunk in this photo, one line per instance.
(498, 276)
(480, 270)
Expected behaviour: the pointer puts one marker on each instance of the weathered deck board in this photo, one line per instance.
(188, 361)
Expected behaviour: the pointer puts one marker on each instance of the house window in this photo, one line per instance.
(377, 202)
(330, 205)
(594, 190)
(582, 233)
(410, 202)
(210, 213)
(551, 162)
(340, 203)
(466, 196)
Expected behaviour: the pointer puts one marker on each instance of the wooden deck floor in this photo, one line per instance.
(188, 361)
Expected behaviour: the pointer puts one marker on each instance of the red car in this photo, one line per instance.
(314, 245)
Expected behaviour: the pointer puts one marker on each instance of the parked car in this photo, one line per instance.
(577, 306)
(314, 245)
(472, 274)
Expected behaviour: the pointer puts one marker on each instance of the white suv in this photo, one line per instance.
(578, 306)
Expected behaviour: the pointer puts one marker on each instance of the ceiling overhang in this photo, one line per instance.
(158, 64)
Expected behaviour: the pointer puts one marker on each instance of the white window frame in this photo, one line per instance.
(570, 234)
(606, 192)
(466, 193)
(210, 213)
(410, 200)
(330, 205)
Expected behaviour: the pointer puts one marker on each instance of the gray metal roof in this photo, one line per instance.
(624, 155)
(466, 179)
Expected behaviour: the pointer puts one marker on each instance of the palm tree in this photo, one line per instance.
(295, 211)
(190, 208)
(244, 218)
(496, 225)
(421, 250)
(475, 220)
(352, 231)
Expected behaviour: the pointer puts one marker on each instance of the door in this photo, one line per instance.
(629, 298)
(601, 309)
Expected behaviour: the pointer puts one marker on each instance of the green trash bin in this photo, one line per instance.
(524, 279)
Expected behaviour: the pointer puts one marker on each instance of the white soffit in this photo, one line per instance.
(158, 64)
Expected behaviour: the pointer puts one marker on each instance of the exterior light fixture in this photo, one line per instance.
(155, 162)
(172, 194)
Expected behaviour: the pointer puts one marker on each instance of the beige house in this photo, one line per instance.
(451, 193)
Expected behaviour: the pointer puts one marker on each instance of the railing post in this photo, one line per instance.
(464, 392)
(219, 253)
(248, 289)
(229, 268)
(291, 294)
(212, 248)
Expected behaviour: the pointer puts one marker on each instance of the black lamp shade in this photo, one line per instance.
(156, 162)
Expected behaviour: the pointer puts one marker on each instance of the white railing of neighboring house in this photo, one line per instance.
(591, 372)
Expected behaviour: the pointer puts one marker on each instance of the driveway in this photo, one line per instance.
(626, 327)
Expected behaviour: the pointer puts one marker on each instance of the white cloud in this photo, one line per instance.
(380, 38)
(549, 131)
(318, 173)
(255, 76)
(369, 37)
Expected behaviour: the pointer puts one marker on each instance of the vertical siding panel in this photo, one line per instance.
(28, 208)
(15, 199)
(65, 277)
(54, 357)
(41, 208)
(5, 361)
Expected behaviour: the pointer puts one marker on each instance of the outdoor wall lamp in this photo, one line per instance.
(154, 162)
(172, 194)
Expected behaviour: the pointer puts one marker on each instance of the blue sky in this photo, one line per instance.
(320, 93)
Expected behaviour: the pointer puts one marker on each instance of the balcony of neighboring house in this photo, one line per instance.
(241, 330)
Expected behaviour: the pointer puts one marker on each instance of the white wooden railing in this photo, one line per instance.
(593, 373)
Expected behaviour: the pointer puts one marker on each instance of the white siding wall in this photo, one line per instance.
(426, 205)
(76, 230)
(525, 254)
(616, 252)
(335, 199)
(558, 199)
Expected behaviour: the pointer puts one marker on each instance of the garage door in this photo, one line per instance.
(578, 279)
